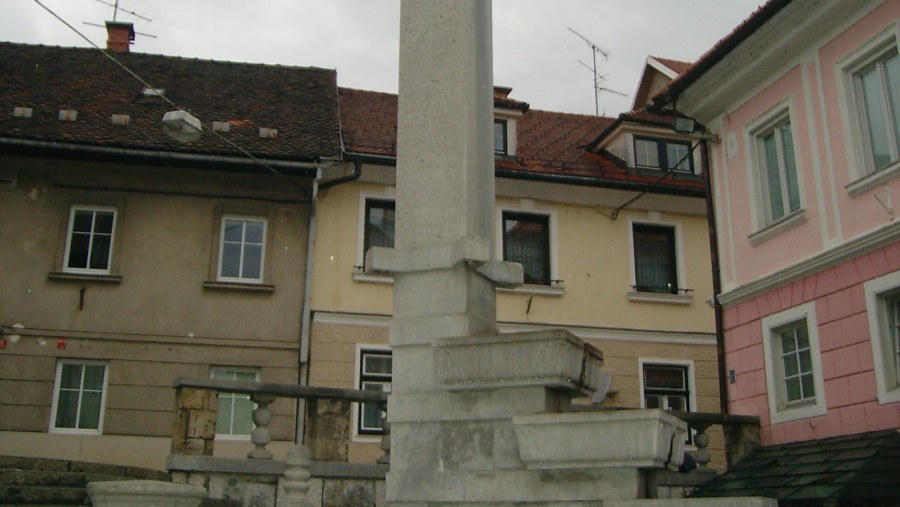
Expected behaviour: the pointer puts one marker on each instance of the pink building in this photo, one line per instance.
(801, 105)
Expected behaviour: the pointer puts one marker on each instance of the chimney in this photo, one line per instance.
(120, 35)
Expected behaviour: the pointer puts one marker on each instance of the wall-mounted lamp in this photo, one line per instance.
(182, 125)
(684, 125)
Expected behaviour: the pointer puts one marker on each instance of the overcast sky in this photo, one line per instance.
(534, 51)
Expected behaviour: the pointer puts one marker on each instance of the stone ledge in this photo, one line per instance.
(320, 469)
(555, 359)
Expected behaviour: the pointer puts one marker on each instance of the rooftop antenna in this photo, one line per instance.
(116, 9)
(597, 77)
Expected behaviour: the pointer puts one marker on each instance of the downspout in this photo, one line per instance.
(306, 311)
(716, 272)
(305, 315)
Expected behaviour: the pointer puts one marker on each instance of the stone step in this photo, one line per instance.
(16, 477)
(59, 465)
(43, 495)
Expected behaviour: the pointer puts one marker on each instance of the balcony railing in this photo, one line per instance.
(197, 405)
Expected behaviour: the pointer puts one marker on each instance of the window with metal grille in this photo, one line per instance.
(526, 240)
(655, 263)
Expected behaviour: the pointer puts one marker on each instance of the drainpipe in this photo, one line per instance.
(306, 311)
(716, 280)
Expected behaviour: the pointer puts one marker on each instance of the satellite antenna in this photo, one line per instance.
(598, 78)
(116, 9)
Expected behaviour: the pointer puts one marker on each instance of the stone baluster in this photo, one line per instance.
(296, 478)
(260, 436)
(701, 455)
(385, 458)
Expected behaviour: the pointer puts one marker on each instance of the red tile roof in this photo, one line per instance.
(301, 103)
(549, 145)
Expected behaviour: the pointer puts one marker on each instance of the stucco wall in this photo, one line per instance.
(845, 345)
(161, 320)
(836, 209)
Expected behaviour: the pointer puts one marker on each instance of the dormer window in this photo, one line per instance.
(663, 154)
(501, 140)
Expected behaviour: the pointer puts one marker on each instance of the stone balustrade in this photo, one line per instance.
(327, 416)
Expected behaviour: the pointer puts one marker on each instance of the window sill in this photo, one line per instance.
(813, 408)
(890, 396)
(247, 287)
(59, 276)
(776, 228)
(369, 278)
(535, 290)
(75, 431)
(872, 180)
(652, 297)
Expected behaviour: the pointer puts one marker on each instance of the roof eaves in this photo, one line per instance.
(717, 53)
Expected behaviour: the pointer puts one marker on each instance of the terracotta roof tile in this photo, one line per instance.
(548, 144)
(299, 102)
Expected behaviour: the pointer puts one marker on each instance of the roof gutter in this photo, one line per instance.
(306, 168)
(594, 182)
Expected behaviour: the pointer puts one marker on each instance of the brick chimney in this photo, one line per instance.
(120, 35)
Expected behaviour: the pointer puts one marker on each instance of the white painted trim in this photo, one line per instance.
(888, 390)
(354, 407)
(529, 206)
(583, 332)
(882, 236)
(855, 136)
(692, 384)
(55, 401)
(813, 129)
(777, 114)
(774, 380)
(262, 257)
(655, 218)
(352, 319)
(778, 226)
(388, 194)
(112, 239)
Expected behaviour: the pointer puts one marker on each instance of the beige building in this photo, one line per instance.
(613, 240)
(129, 258)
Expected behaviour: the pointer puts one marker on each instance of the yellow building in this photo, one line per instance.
(607, 217)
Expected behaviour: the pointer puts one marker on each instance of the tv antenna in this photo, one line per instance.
(598, 78)
(116, 9)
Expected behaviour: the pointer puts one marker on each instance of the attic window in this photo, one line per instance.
(221, 126)
(68, 115)
(121, 119)
(23, 112)
(153, 92)
(500, 137)
(268, 133)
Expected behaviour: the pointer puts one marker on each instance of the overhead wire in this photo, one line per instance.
(167, 99)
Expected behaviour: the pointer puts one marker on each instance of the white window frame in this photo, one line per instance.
(755, 130)
(888, 387)
(779, 410)
(262, 259)
(681, 297)
(862, 173)
(356, 411)
(682, 363)
(359, 274)
(212, 371)
(56, 391)
(528, 206)
(112, 240)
